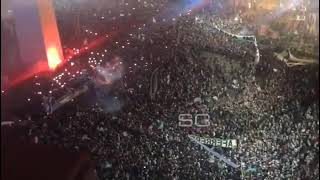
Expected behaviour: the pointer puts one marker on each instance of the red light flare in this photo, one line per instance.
(48, 67)
(53, 58)
(90, 46)
(103, 39)
(54, 62)
(41, 67)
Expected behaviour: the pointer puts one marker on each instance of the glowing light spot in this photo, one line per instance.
(53, 58)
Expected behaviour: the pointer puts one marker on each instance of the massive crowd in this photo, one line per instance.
(177, 65)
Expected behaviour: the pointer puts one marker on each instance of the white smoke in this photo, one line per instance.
(110, 72)
(106, 75)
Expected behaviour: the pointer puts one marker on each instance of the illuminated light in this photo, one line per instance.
(50, 92)
(53, 58)
(29, 99)
(72, 63)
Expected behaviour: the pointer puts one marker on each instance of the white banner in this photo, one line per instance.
(214, 153)
(226, 143)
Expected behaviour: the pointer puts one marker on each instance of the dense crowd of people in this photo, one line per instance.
(177, 65)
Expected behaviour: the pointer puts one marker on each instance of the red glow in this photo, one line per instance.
(54, 61)
(90, 46)
(39, 68)
(53, 58)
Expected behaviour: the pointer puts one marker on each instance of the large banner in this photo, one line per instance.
(226, 143)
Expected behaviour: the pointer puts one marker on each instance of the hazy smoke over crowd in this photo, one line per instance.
(107, 74)
(110, 72)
